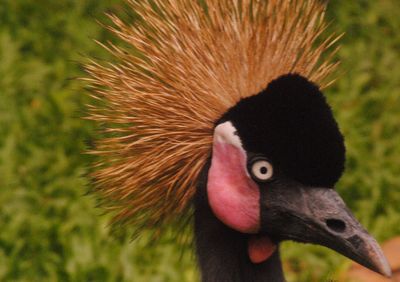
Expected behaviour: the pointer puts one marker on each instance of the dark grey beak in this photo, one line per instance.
(318, 215)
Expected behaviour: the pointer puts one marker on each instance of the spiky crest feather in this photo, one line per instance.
(191, 62)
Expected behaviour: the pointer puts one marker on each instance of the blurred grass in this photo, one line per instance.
(51, 231)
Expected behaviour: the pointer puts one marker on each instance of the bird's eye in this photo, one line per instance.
(261, 170)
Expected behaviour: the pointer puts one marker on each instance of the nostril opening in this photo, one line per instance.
(336, 225)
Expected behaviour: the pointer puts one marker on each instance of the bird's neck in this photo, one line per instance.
(222, 252)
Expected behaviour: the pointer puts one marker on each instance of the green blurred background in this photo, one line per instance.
(51, 231)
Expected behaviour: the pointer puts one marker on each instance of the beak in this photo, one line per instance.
(318, 215)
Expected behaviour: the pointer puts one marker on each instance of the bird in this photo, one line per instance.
(212, 112)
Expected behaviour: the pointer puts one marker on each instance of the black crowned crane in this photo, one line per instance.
(215, 106)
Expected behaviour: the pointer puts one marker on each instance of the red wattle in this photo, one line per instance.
(260, 248)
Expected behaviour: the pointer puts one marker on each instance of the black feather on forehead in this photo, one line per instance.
(291, 123)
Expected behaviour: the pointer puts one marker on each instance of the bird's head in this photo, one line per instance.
(275, 161)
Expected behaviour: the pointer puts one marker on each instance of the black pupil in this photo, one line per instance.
(263, 170)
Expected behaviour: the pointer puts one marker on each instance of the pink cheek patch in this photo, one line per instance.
(233, 196)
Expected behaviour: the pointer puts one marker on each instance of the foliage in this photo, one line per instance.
(51, 230)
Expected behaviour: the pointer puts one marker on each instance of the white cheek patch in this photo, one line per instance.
(227, 133)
